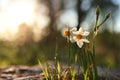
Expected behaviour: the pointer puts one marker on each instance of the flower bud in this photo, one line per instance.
(97, 10)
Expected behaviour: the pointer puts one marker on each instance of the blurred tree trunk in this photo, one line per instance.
(54, 12)
(53, 15)
(80, 13)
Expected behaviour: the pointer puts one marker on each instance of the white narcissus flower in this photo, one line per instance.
(80, 37)
(68, 32)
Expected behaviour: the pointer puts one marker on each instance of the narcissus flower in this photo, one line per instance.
(68, 32)
(74, 35)
(80, 37)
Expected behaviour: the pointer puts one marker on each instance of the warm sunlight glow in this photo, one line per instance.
(15, 12)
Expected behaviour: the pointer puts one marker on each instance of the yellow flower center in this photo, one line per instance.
(79, 36)
(66, 33)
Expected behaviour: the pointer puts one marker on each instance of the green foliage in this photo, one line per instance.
(86, 57)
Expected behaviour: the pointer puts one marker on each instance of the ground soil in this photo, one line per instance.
(36, 73)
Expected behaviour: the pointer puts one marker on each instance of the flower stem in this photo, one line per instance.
(106, 17)
(95, 74)
(69, 56)
(56, 55)
(97, 17)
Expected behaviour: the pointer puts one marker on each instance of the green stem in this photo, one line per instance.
(69, 56)
(56, 54)
(79, 67)
(106, 17)
(96, 22)
(68, 40)
(101, 23)
(84, 62)
(95, 74)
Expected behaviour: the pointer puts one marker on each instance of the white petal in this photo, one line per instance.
(85, 40)
(80, 30)
(86, 33)
(75, 38)
(80, 43)
(74, 29)
(75, 32)
(72, 40)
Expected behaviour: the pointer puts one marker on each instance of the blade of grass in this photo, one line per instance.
(44, 69)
